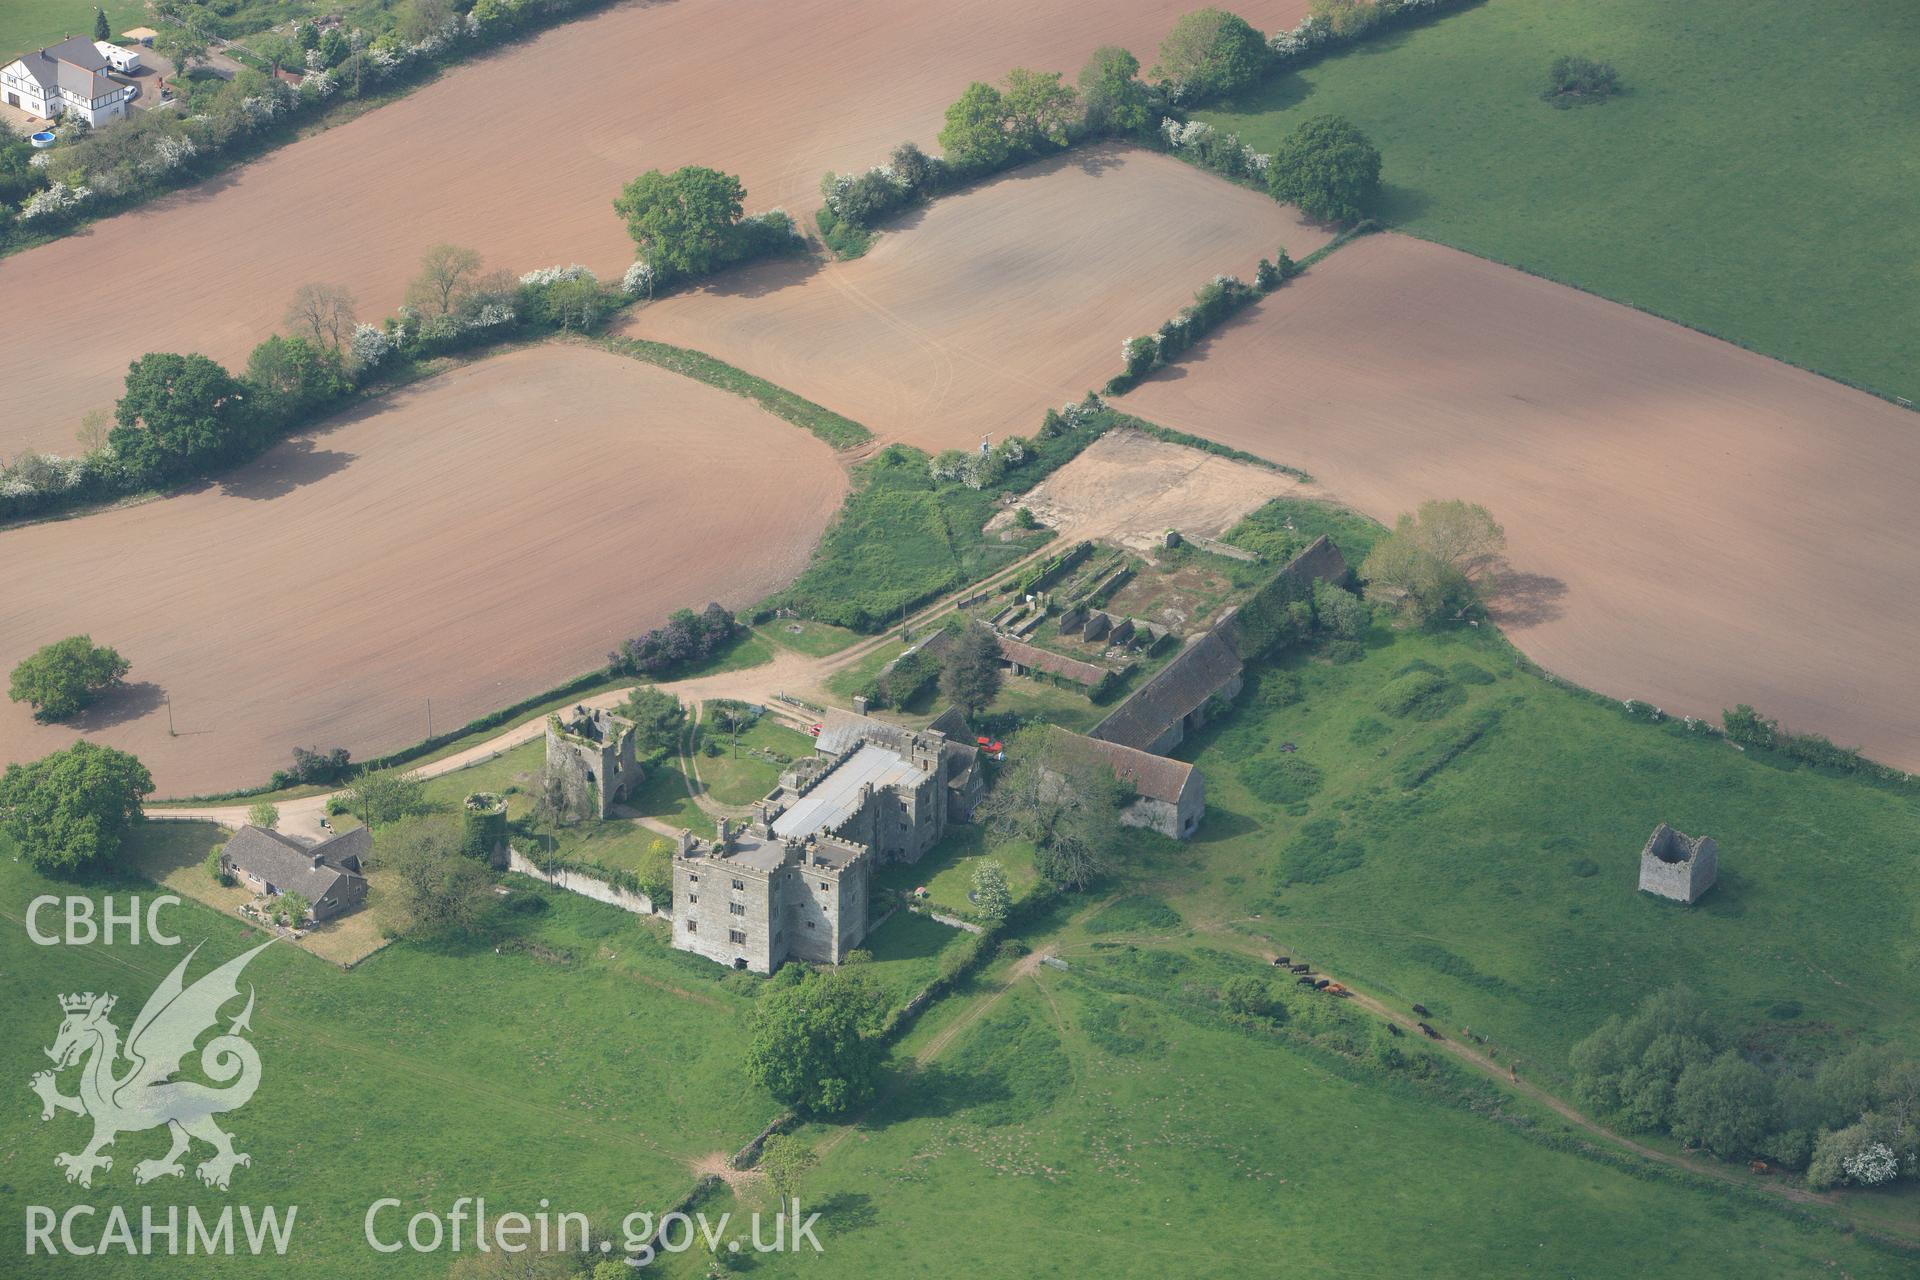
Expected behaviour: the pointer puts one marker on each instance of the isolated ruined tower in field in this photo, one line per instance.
(1677, 866)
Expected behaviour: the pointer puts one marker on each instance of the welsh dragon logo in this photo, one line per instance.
(144, 1095)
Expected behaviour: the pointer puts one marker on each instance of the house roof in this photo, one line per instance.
(1020, 653)
(842, 731)
(1201, 670)
(288, 865)
(839, 795)
(1153, 777)
(72, 64)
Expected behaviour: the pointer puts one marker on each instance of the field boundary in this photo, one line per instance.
(837, 430)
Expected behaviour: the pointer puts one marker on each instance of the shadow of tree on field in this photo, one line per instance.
(281, 470)
(122, 705)
(758, 280)
(1517, 599)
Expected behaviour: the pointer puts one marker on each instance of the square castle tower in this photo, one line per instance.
(1678, 866)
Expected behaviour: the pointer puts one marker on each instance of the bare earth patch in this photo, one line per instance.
(1688, 523)
(473, 539)
(1129, 488)
(989, 306)
(774, 90)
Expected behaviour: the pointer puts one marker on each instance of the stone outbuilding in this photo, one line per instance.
(1678, 866)
(1170, 796)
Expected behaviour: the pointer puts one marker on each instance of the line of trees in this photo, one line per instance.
(184, 416)
(1671, 1067)
(686, 637)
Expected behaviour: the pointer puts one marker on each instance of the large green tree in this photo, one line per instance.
(70, 811)
(290, 378)
(683, 222)
(1725, 1105)
(63, 678)
(1062, 802)
(1328, 168)
(1039, 108)
(434, 889)
(658, 719)
(380, 796)
(1115, 100)
(785, 1159)
(179, 413)
(814, 1045)
(1431, 558)
(1211, 53)
(970, 677)
(975, 135)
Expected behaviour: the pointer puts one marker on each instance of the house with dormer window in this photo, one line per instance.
(70, 76)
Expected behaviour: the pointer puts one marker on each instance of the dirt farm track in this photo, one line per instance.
(1688, 523)
(774, 90)
(473, 539)
(979, 312)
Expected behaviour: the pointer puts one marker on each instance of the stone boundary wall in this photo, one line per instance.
(584, 885)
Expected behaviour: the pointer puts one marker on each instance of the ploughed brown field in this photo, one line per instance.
(473, 539)
(1687, 523)
(519, 155)
(988, 306)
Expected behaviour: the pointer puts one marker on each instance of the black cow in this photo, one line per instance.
(1422, 1011)
(1303, 968)
(1305, 982)
(1393, 1030)
(1429, 1032)
(1320, 985)
(1283, 959)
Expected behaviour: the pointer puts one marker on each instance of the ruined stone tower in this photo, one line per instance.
(1677, 866)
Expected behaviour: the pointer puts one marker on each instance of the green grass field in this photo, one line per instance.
(815, 639)
(1501, 891)
(738, 776)
(1078, 1130)
(583, 1061)
(35, 24)
(1758, 179)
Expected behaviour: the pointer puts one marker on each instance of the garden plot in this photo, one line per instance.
(973, 316)
(1688, 523)
(773, 90)
(472, 540)
(1129, 488)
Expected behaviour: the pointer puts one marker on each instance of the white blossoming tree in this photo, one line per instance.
(370, 346)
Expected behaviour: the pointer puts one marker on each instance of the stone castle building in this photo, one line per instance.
(595, 749)
(793, 884)
(755, 900)
(1677, 866)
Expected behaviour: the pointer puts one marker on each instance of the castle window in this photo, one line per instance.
(692, 898)
(823, 886)
(737, 908)
(740, 884)
(736, 936)
(693, 926)
(693, 877)
(809, 924)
